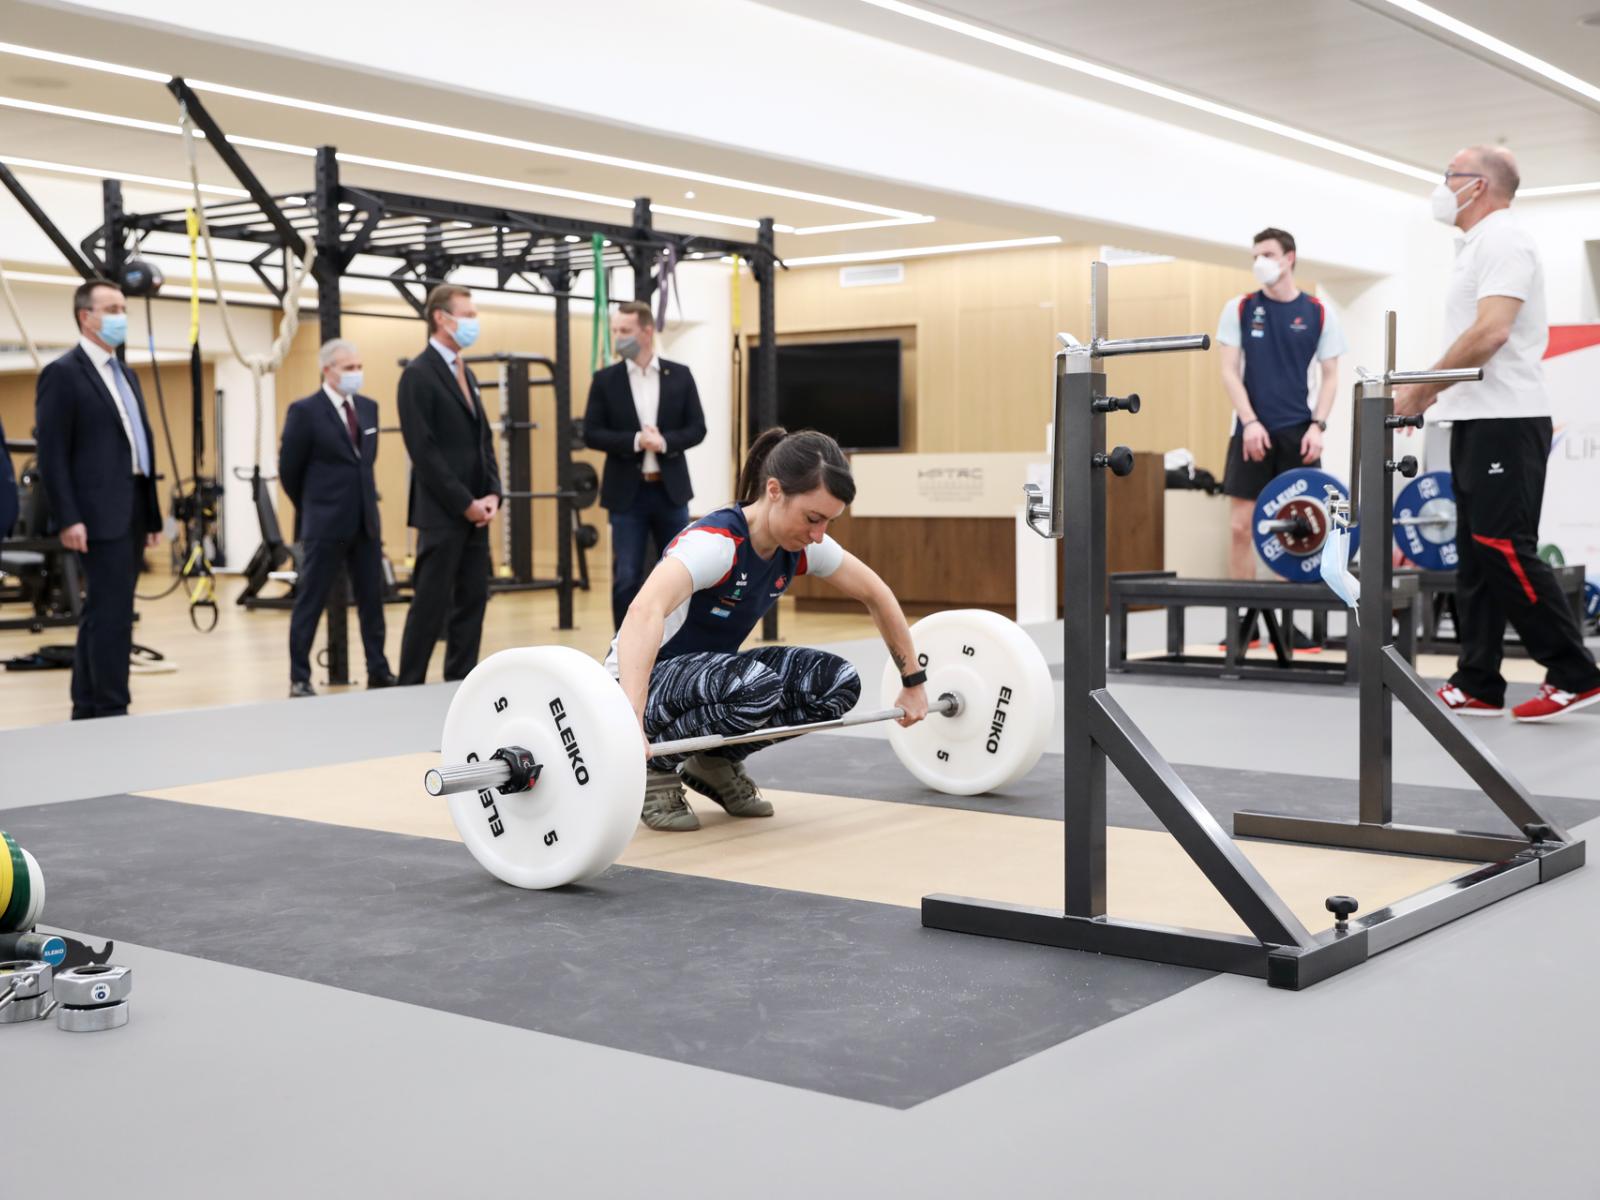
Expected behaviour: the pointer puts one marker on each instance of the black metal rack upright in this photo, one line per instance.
(1278, 947)
(428, 238)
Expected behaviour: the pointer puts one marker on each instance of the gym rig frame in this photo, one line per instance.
(428, 238)
(1279, 948)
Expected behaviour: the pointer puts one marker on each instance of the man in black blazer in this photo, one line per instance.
(330, 443)
(97, 459)
(8, 488)
(455, 490)
(644, 412)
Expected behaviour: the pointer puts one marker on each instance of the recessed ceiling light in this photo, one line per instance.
(688, 195)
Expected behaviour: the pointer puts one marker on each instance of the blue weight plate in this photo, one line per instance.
(1298, 495)
(1591, 599)
(1431, 546)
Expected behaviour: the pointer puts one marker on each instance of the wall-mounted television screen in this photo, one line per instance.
(848, 390)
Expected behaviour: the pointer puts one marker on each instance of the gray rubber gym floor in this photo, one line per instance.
(343, 1011)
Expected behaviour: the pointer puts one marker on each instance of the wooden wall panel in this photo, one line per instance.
(984, 327)
(383, 342)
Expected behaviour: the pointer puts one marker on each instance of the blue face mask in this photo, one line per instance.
(466, 331)
(350, 382)
(114, 329)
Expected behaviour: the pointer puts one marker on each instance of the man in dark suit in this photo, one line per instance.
(330, 443)
(97, 460)
(455, 490)
(644, 412)
(8, 488)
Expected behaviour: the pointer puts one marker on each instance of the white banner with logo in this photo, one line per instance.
(1571, 516)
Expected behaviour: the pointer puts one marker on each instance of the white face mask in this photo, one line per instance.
(1267, 270)
(1442, 201)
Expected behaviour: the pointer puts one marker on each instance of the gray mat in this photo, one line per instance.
(867, 767)
(837, 996)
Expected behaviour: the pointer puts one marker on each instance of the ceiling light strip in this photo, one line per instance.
(515, 185)
(1505, 50)
(462, 134)
(920, 251)
(1133, 82)
(177, 185)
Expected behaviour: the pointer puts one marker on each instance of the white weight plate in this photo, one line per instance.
(36, 897)
(1008, 703)
(565, 708)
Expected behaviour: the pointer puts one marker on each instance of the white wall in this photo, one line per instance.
(703, 340)
(1568, 232)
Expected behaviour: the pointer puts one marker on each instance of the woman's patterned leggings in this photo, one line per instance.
(693, 695)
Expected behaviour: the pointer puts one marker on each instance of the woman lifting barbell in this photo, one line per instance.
(677, 654)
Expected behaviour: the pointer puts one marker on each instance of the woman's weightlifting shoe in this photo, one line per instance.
(664, 805)
(1464, 705)
(725, 781)
(1552, 702)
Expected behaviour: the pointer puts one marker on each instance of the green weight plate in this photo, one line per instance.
(21, 889)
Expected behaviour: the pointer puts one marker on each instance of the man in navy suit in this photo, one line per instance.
(8, 488)
(330, 443)
(455, 490)
(644, 412)
(98, 464)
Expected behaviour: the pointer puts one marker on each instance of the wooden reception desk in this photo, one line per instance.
(941, 529)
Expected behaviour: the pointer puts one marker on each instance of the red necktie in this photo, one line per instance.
(350, 420)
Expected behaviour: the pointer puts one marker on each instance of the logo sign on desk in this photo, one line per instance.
(939, 485)
(950, 485)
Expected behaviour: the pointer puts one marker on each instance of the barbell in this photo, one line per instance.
(1290, 523)
(545, 772)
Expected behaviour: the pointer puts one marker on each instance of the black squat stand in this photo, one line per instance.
(1279, 948)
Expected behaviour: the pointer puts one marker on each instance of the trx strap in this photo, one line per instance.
(601, 329)
(202, 585)
(738, 369)
(667, 284)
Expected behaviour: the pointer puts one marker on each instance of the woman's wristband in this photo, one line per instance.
(916, 679)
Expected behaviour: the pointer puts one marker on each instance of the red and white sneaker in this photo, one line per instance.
(1552, 702)
(1464, 705)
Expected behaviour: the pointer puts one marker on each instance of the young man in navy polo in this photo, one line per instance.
(1269, 339)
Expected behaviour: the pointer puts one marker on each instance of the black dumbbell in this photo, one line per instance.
(1120, 460)
(1341, 907)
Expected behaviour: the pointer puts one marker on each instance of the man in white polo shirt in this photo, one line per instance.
(1499, 448)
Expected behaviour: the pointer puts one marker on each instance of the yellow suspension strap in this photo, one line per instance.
(199, 581)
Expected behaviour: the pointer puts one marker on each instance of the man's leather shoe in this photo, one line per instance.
(382, 681)
(300, 688)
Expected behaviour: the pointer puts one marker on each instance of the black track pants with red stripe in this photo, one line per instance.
(1498, 469)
